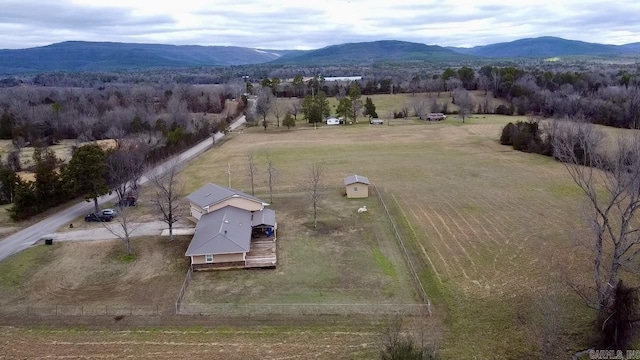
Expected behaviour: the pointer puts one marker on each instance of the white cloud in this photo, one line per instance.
(290, 24)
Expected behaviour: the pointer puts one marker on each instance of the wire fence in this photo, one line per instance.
(217, 309)
(301, 309)
(86, 310)
(412, 267)
(183, 289)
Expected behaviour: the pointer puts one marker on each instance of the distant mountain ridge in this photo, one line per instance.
(109, 56)
(547, 46)
(370, 52)
(79, 56)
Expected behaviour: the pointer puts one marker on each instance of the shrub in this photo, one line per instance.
(526, 137)
(507, 133)
(504, 110)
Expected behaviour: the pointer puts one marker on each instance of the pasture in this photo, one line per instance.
(495, 228)
(87, 276)
(256, 342)
(493, 231)
(350, 259)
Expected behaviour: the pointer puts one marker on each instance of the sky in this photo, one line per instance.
(307, 24)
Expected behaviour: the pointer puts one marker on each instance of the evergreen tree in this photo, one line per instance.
(87, 172)
(289, 121)
(370, 109)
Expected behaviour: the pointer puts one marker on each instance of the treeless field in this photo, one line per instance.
(308, 342)
(494, 227)
(94, 274)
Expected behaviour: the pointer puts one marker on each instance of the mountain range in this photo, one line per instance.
(81, 56)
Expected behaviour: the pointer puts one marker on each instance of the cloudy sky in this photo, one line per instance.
(307, 24)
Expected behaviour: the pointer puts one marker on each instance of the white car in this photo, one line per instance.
(109, 212)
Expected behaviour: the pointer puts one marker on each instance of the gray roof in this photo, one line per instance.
(211, 194)
(356, 179)
(224, 231)
(264, 217)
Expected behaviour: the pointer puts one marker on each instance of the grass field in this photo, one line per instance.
(351, 259)
(260, 342)
(94, 274)
(493, 229)
(493, 226)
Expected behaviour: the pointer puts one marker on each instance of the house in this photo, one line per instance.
(356, 186)
(233, 230)
(212, 197)
(436, 116)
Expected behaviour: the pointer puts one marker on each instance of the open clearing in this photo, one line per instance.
(351, 259)
(494, 227)
(223, 343)
(95, 274)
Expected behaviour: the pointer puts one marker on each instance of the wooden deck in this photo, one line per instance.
(263, 253)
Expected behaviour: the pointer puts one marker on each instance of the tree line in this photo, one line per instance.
(609, 178)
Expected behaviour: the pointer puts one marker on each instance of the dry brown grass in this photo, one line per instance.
(350, 259)
(62, 150)
(259, 342)
(92, 274)
(492, 223)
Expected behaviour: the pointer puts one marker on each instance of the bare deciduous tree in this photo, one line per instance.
(125, 226)
(420, 108)
(273, 176)
(168, 193)
(315, 188)
(264, 104)
(125, 166)
(296, 108)
(278, 110)
(251, 169)
(464, 102)
(611, 183)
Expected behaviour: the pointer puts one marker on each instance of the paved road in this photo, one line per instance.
(29, 236)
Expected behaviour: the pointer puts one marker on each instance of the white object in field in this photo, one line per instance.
(362, 209)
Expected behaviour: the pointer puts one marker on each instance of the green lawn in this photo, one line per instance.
(16, 270)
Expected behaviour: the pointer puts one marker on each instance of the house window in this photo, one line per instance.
(208, 258)
(355, 188)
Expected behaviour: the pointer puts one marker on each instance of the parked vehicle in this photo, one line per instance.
(128, 201)
(376, 122)
(109, 212)
(436, 116)
(98, 217)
